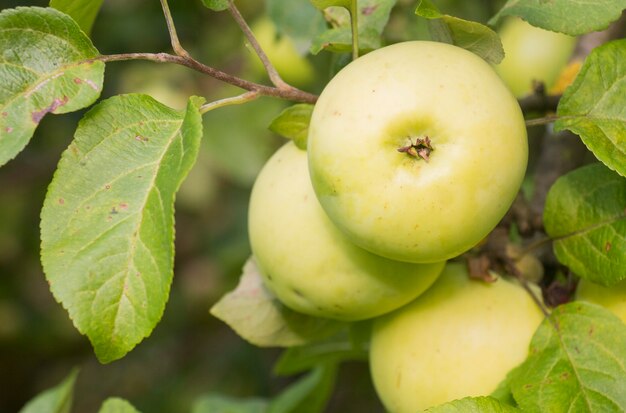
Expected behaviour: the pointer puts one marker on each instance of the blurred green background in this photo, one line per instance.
(190, 353)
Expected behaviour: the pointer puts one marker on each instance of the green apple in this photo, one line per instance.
(417, 150)
(531, 54)
(458, 339)
(290, 64)
(612, 298)
(309, 265)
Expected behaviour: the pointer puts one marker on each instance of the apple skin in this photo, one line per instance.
(309, 265)
(458, 339)
(531, 54)
(612, 298)
(400, 206)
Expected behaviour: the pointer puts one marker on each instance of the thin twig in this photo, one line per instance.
(292, 94)
(235, 100)
(354, 23)
(178, 48)
(542, 121)
(271, 70)
(534, 297)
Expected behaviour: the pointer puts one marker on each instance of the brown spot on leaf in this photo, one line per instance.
(37, 116)
(564, 376)
(366, 11)
(107, 186)
(528, 386)
(77, 80)
(140, 138)
(123, 206)
(61, 201)
(607, 247)
(113, 211)
(4, 114)
(8, 129)
(591, 330)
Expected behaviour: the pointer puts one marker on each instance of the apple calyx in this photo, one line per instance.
(420, 149)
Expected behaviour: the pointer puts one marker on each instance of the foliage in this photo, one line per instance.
(107, 209)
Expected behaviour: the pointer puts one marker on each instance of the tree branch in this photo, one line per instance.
(269, 68)
(292, 94)
(178, 48)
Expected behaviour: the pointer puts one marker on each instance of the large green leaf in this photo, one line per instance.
(43, 69)
(473, 36)
(372, 19)
(107, 225)
(593, 107)
(585, 213)
(577, 363)
(297, 19)
(55, 400)
(473, 405)
(83, 12)
(257, 315)
(116, 405)
(565, 16)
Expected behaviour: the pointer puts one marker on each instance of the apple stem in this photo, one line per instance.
(420, 149)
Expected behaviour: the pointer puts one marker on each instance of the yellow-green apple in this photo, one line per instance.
(417, 150)
(308, 263)
(612, 298)
(532, 54)
(458, 339)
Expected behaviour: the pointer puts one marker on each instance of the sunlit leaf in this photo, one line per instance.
(473, 36)
(593, 107)
(107, 225)
(216, 5)
(55, 400)
(44, 68)
(585, 213)
(83, 12)
(258, 317)
(293, 123)
(116, 405)
(565, 16)
(577, 363)
(473, 405)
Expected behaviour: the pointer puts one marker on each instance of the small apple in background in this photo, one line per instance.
(290, 64)
(307, 262)
(531, 54)
(612, 298)
(417, 150)
(458, 339)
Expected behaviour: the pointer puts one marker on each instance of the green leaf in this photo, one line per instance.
(593, 106)
(55, 400)
(258, 317)
(83, 12)
(335, 349)
(107, 224)
(217, 403)
(216, 5)
(372, 19)
(473, 405)
(585, 214)
(116, 405)
(323, 4)
(310, 394)
(473, 36)
(297, 19)
(565, 16)
(577, 363)
(293, 123)
(43, 69)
